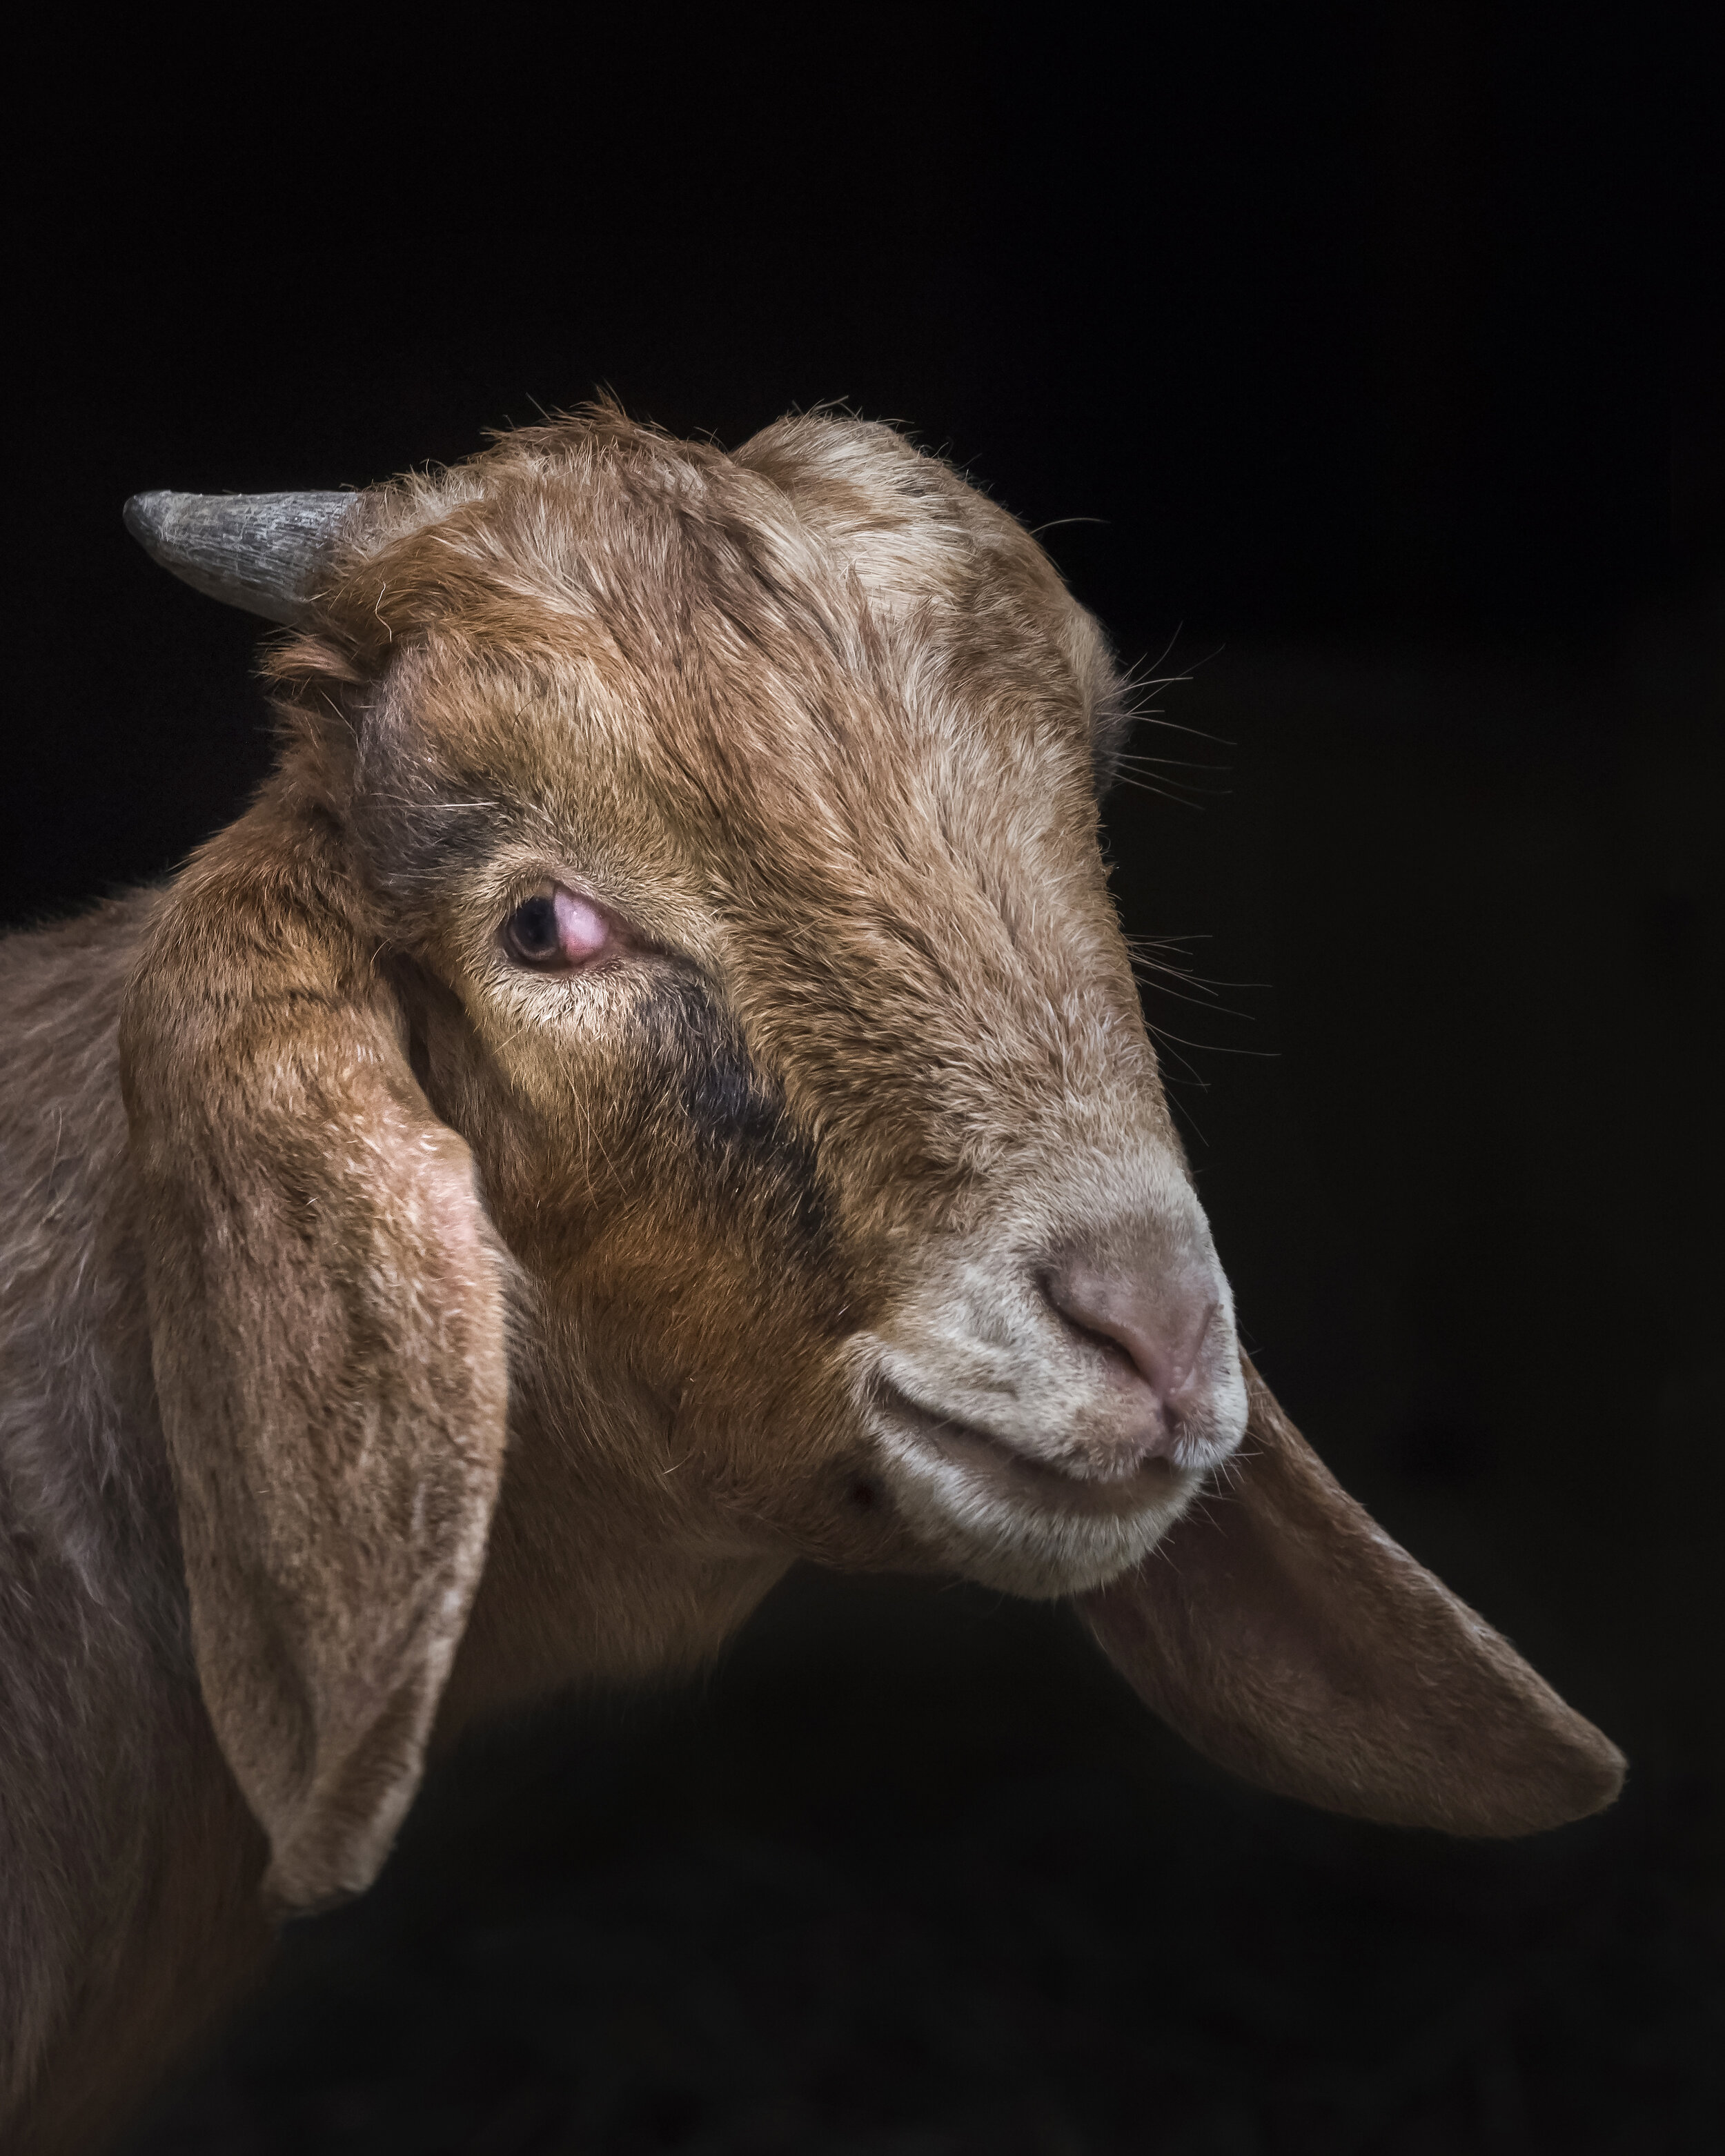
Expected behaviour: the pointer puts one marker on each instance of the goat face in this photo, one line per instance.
(734, 823)
(669, 1004)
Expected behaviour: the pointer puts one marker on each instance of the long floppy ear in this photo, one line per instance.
(1285, 1635)
(327, 1320)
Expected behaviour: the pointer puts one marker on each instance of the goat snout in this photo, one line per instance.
(1152, 1335)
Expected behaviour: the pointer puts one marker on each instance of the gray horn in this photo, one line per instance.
(261, 552)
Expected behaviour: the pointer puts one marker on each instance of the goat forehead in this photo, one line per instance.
(805, 753)
(696, 604)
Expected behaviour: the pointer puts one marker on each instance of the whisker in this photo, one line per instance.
(1169, 763)
(1217, 1009)
(1054, 523)
(1211, 1047)
(1161, 792)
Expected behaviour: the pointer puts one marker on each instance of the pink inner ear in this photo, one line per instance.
(581, 929)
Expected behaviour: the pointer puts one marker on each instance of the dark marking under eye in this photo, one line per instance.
(736, 1114)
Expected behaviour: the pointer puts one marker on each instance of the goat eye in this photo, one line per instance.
(555, 929)
(531, 933)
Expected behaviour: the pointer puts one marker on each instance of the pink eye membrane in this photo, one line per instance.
(556, 930)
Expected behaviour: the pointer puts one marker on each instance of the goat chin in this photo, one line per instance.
(1023, 1542)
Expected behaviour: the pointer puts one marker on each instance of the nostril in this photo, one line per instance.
(1081, 1314)
(1159, 1327)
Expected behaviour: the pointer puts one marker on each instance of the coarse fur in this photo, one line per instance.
(394, 1331)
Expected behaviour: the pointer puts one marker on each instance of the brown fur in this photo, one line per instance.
(425, 1335)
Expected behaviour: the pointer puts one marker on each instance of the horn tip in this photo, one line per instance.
(144, 518)
(261, 552)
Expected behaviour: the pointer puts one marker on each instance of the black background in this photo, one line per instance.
(1366, 345)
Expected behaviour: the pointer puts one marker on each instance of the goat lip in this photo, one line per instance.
(1016, 1476)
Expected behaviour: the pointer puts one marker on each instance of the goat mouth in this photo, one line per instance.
(1025, 1482)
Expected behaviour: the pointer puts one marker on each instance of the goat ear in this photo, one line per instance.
(1285, 1636)
(327, 1327)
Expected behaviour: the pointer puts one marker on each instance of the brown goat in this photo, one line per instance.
(653, 1089)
